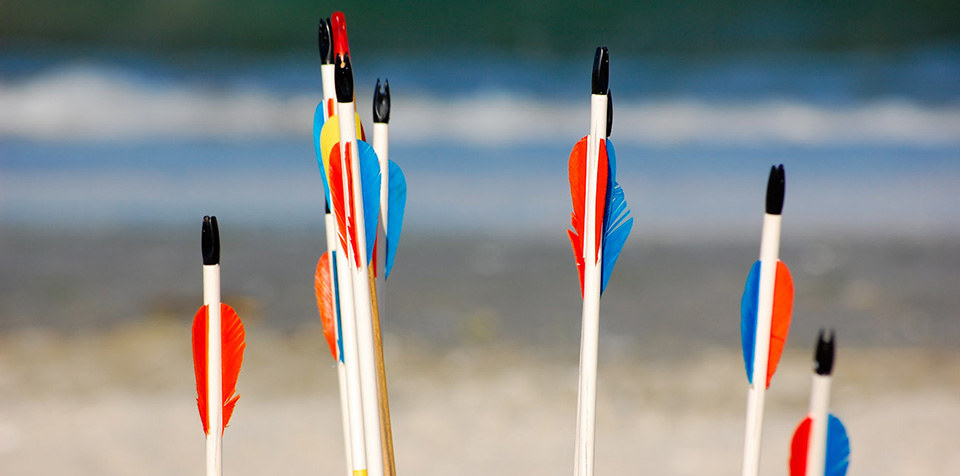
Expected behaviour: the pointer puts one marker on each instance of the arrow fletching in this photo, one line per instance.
(370, 183)
(326, 300)
(233, 342)
(398, 202)
(319, 123)
(327, 136)
(617, 222)
(838, 448)
(578, 193)
(345, 230)
(779, 324)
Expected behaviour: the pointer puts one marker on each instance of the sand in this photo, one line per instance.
(121, 402)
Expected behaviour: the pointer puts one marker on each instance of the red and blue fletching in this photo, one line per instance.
(837, 451)
(780, 321)
(578, 187)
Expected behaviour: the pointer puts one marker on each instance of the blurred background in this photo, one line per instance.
(122, 124)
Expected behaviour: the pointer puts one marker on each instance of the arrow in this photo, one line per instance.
(765, 311)
(332, 322)
(393, 197)
(355, 191)
(820, 446)
(393, 192)
(325, 281)
(601, 224)
(218, 344)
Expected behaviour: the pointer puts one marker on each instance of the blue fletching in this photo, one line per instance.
(318, 121)
(748, 317)
(370, 183)
(336, 297)
(838, 448)
(617, 221)
(397, 202)
(611, 162)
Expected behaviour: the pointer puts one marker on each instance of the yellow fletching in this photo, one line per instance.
(330, 135)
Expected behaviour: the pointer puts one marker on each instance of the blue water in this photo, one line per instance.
(871, 142)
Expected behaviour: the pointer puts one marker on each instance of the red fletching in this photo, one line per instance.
(232, 344)
(345, 229)
(780, 321)
(578, 193)
(323, 285)
(339, 29)
(335, 181)
(798, 448)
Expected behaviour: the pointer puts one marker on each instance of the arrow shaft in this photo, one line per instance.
(769, 255)
(329, 90)
(329, 109)
(211, 299)
(386, 431)
(349, 320)
(381, 138)
(817, 446)
(330, 228)
(381, 146)
(351, 366)
(590, 329)
(362, 295)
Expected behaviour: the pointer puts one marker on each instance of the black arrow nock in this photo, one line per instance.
(601, 71)
(210, 241)
(381, 102)
(343, 78)
(823, 356)
(775, 188)
(325, 41)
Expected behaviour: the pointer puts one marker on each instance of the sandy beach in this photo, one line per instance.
(122, 403)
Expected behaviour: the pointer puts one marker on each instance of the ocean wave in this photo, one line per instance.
(92, 103)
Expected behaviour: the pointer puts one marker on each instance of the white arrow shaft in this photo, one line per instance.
(331, 231)
(590, 330)
(211, 299)
(329, 89)
(348, 311)
(380, 144)
(769, 255)
(352, 368)
(361, 289)
(817, 445)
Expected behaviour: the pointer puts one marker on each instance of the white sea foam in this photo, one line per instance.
(92, 103)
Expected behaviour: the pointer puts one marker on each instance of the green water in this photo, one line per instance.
(537, 27)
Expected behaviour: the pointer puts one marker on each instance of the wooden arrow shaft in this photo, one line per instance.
(386, 432)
